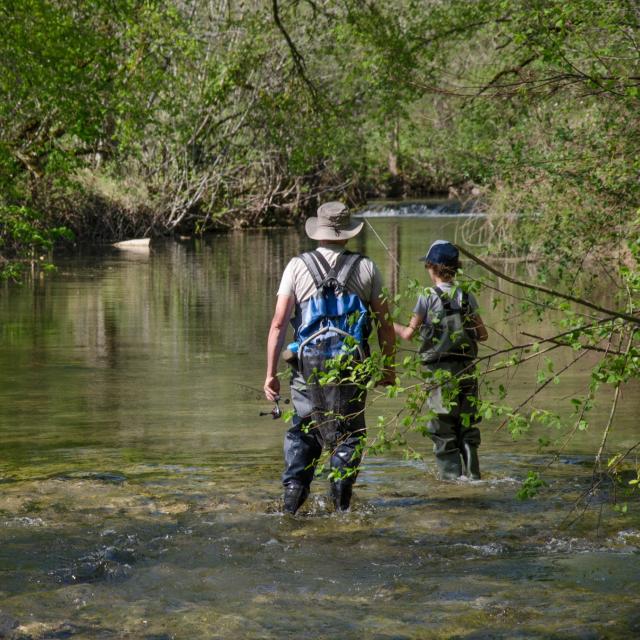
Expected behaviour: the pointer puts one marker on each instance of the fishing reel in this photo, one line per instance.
(276, 412)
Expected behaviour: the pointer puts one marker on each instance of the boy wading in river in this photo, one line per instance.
(450, 328)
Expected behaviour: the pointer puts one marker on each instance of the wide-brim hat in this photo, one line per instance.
(442, 252)
(332, 223)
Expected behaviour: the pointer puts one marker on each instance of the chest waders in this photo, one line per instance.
(448, 345)
(331, 330)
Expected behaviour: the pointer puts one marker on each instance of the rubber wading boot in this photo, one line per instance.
(471, 462)
(341, 494)
(294, 497)
(449, 466)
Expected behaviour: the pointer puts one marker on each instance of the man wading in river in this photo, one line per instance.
(333, 295)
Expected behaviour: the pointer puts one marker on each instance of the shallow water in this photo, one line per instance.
(140, 496)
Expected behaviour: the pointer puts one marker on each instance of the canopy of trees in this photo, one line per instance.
(121, 117)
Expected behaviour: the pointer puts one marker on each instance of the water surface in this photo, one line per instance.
(140, 495)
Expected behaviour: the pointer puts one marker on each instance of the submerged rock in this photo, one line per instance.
(7, 624)
(42, 631)
(97, 476)
(108, 563)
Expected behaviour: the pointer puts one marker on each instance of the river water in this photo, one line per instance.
(140, 492)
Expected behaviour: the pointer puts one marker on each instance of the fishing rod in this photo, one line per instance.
(389, 252)
(381, 241)
(276, 411)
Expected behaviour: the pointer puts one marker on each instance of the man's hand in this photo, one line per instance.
(388, 379)
(272, 388)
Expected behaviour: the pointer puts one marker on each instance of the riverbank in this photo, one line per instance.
(95, 208)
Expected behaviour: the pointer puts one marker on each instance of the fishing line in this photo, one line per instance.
(389, 252)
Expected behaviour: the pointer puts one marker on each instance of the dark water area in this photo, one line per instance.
(140, 491)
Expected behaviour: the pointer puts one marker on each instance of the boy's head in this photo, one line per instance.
(442, 259)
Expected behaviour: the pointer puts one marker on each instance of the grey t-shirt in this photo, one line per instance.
(430, 306)
(365, 280)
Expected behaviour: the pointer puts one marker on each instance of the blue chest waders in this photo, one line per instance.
(331, 335)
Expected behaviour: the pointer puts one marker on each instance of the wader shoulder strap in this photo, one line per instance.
(314, 266)
(443, 297)
(345, 265)
(465, 307)
(323, 274)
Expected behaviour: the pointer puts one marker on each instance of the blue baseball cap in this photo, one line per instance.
(442, 252)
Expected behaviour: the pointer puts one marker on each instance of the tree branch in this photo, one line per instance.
(614, 404)
(505, 72)
(567, 344)
(298, 60)
(540, 388)
(551, 292)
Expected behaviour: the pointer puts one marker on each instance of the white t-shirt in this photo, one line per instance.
(365, 280)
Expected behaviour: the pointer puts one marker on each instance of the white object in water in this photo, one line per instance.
(140, 243)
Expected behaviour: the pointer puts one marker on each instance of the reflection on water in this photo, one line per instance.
(139, 489)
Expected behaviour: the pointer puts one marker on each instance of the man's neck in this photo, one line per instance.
(333, 244)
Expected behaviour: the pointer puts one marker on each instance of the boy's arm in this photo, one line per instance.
(406, 332)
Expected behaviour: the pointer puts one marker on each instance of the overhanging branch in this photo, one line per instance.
(298, 60)
(551, 292)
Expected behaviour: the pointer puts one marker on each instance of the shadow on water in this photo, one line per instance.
(140, 490)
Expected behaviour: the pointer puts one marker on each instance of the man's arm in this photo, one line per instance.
(275, 342)
(386, 337)
(477, 327)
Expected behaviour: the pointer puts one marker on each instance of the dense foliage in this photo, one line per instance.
(126, 117)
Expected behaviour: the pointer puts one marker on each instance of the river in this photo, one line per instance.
(140, 491)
